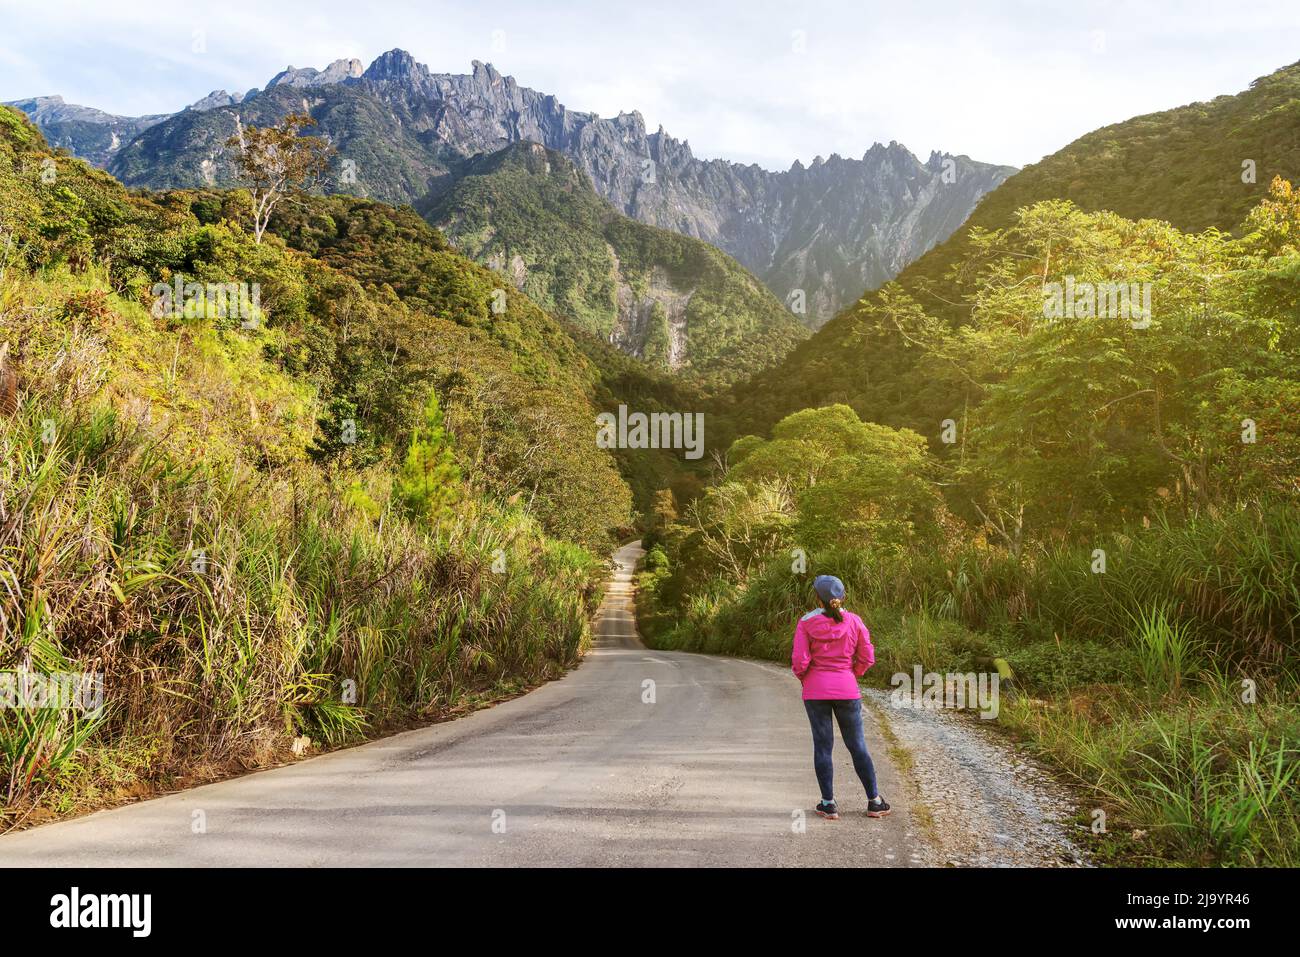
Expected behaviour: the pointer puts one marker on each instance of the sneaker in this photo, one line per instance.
(877, 808)
(828, 810)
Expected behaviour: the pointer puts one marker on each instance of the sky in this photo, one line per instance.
(752, 81)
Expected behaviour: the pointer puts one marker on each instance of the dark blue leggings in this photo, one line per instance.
(848, 713)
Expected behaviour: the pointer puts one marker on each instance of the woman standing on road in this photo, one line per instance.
(832, 650)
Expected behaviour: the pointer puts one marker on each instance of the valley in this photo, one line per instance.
(323, 407)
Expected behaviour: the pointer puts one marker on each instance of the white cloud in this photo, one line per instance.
(1004, 84)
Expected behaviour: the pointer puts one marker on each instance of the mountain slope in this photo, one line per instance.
(182, 503)
(373, 308)
(83, 131)
(1182, 165)
(819, 234)
(676, 302)
(96, 136)
(384, 149)
(852, 225)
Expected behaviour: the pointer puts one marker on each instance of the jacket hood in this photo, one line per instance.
(824, 627)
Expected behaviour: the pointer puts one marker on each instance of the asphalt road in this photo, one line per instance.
(716, 769)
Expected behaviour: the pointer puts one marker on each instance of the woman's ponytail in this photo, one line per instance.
(830, 592)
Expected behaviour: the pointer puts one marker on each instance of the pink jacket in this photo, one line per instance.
(829, 657)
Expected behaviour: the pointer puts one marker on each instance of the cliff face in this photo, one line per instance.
(676, 302)
(817, 236)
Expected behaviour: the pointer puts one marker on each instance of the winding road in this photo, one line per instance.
(636, 757)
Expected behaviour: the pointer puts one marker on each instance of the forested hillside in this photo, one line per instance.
(1185, 166)
(366, 495)
(677, 303)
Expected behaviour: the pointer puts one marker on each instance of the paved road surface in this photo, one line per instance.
(578, 772)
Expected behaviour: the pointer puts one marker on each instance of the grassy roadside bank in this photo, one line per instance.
(161, 527)
(1181, 732)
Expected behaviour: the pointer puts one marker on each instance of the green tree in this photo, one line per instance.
(429, 483)
(1087, 420)
(275, 159)
(342, 437)
(853, 482)
(739, 525)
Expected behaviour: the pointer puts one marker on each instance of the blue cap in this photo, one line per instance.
(828, 587)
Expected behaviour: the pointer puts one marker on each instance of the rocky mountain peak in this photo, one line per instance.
(485, 74)
(217, 99)
(790, 228)
(396, 66)
(935, 162)
(675, 154)
(336, 72)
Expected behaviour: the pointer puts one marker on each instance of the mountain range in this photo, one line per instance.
(816, 235)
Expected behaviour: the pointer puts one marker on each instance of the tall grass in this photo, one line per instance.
(1226, 583)
(1165, 649)
(1200, 780)
(233, 600)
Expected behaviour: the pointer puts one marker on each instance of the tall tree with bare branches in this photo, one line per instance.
(273, 160)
